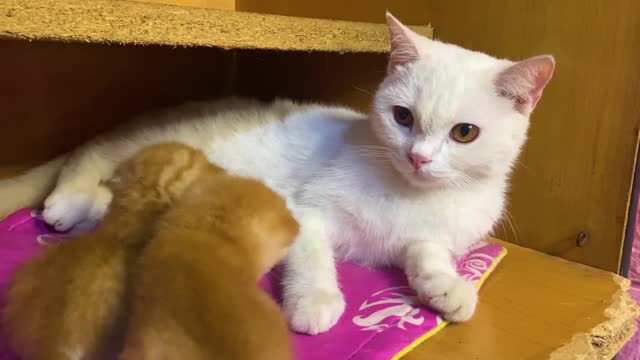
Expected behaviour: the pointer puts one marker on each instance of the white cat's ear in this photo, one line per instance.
(404, 44)
(524, 81)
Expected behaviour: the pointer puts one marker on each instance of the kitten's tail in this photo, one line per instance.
(30, 188)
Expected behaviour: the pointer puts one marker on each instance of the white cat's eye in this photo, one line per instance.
(403, 116)
(464, 133)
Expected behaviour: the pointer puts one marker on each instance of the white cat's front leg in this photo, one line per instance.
(432, 274)
(313, 302)
(79, 200)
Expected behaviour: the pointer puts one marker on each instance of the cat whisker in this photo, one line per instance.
(380, 158)
(467, 177)
(510, 220)
(504, 231)
(507, 219)
(518, 162)
(453, 184)
(363, 90)
(379, 153)
(375, 155)
(372, 147)
(462, 180)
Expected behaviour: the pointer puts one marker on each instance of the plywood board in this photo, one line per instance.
(535, 306)
(409, 11)
(146, 23)
(209, 4)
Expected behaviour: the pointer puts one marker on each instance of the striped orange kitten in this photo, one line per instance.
(170, 273)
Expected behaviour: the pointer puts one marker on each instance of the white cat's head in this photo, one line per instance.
(447, 115)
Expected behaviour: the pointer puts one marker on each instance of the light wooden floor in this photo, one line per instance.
(536, 305)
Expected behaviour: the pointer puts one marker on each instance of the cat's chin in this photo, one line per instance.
(422, 181)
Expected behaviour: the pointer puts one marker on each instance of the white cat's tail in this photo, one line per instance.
(31, 188)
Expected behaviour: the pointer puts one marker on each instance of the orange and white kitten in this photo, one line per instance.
(179, 284)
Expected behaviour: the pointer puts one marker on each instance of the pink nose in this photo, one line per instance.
(418, 160)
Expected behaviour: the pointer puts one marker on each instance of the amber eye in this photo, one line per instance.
(465, 133)
(403, 116)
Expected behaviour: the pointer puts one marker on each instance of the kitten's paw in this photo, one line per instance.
(453, 297)
(314, 312)
(64, 210)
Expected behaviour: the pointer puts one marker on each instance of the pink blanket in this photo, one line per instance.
(382, 319)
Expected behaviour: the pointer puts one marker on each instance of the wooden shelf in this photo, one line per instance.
(127, 22)
(536, 306)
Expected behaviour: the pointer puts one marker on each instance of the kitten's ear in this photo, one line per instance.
(404, 44)
(524, 81)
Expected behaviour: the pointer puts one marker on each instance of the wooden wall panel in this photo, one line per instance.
(412, 12)
(56, 95)
(348, 79)
(577, 168)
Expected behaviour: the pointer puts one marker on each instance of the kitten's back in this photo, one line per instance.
(196, 295)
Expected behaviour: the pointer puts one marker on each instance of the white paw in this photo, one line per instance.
(452, 296)
(64, 210)
(100, 206)
(314, 312)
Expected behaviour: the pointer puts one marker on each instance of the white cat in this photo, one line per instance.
(414, 183)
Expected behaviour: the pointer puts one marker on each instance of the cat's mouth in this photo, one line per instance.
(423, 177)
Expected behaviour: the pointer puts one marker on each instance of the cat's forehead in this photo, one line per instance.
(444, 54)
(440, 95)
(448, 81)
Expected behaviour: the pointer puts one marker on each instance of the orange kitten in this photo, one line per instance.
(196, 295)
(192, 295)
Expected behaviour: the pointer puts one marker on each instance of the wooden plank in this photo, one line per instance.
(209, 4)
(126, 22)
(409, 11)
(535, 305)
(576, 171)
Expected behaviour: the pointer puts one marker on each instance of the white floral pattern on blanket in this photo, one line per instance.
(399, 307)
(395, 302)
